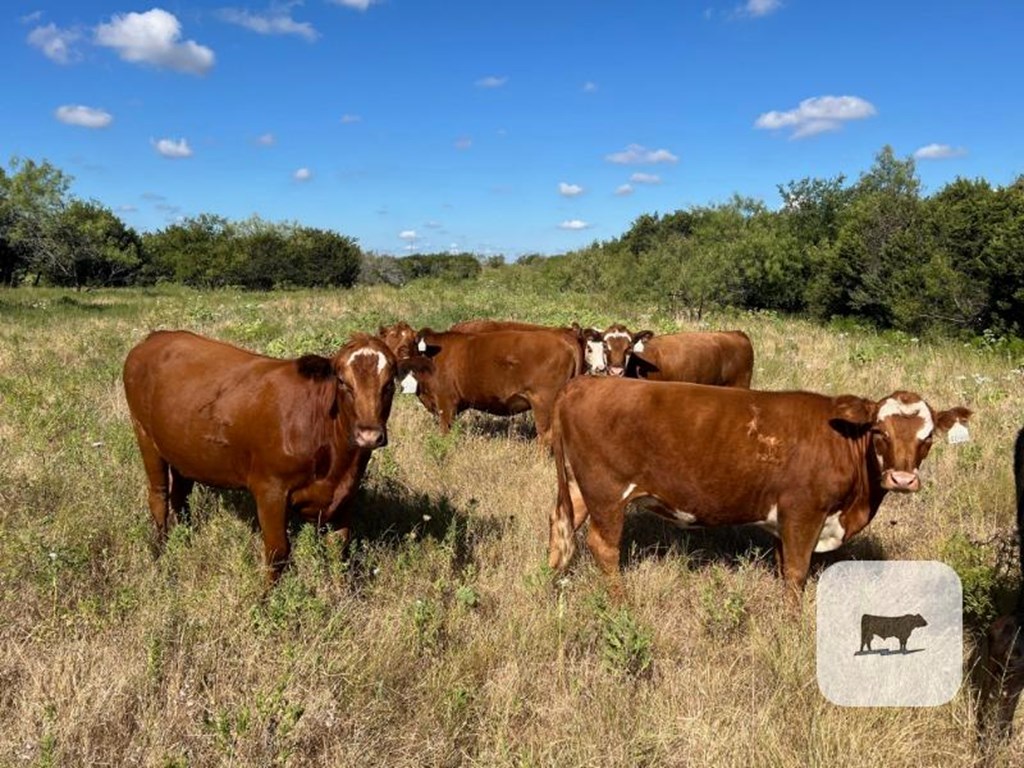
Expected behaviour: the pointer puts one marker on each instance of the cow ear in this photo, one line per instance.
(946, 420)
(381, 331)
(641, 336)
(592, 334)
(855, 410)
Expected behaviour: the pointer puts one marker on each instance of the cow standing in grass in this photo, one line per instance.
(296, 433)
(500, 372)
(810, 469)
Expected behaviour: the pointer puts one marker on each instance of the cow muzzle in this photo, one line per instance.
(370, 437)
(904, 482)
(616, 371)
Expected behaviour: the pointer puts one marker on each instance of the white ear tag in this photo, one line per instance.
(409, 384)
(422, 346)
(958, 434)
(639, 346)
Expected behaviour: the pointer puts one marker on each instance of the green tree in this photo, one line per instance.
(91, 246)
(32, 198)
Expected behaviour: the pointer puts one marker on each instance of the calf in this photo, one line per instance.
(723, 358)
(885, 627)
(296, 433)
(501, 372)
(809, 468)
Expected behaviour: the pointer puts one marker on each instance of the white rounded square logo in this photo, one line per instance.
(890, 633)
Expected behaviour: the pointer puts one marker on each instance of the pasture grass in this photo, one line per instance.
(442, 640)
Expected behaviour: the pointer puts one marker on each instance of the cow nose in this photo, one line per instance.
(371, 437)
(904, 481)
(615, 371)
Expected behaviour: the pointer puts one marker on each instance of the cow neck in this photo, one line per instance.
(867, 492)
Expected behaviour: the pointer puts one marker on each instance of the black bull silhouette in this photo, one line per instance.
(885, 627)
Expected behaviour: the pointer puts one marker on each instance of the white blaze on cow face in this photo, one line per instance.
(595, 358)
(893, 407)
(381, 360)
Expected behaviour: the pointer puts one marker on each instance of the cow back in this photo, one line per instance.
(722, 358)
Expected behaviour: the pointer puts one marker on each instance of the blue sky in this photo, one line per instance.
(498, 127)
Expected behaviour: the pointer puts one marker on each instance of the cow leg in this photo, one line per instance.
(579, 507)
(604, 540)
(157, 476)
(542, 419)
(181, 487)
(797, 546)
(271, 507)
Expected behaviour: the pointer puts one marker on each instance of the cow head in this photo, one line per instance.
(902, 427)
(366, 368)
(422, 368)
(617, 344)
(400, 338)
(917, 620)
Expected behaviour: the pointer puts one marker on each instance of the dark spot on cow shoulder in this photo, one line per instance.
(314, 367)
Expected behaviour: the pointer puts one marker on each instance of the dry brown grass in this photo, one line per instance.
(441, 641)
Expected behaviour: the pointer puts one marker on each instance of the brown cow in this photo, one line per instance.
(811, 469)
(400, 338)
(501, 372)
(297, 433)
(1003, 672)
(575, 332)
(722, 358)
(615, 345)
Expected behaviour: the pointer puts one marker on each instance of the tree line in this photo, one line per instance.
(873, 249)
(47, 236)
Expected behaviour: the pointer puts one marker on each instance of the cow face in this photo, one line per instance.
(617, 345)
(366, 371)
(902, 427)
(422, 369)
(400, 339)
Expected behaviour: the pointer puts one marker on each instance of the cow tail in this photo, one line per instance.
(562, 543)
(1018, 477)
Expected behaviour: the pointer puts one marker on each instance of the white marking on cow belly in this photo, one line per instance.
(771, 521)
(381, 360)
(893, 407)
(831, 536)
(409, 384)
(629, 489)
(684, 519)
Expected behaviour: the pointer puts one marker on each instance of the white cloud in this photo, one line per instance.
(55, 43)
(349, 119)
(624, 189)
(569, 190)
(172, 148)
(359, 5)
(153, 38)
(761, 7)
(645, 178)
(589, 87)
(938, 152)
(302, 174)
(31, 18)
(573, 224)
(407, 234)
(635, 154)
(491, 82)
(266, 140)
(817, 115)
(464, 142)
(275, 21)
(127, 209)
(87, 117)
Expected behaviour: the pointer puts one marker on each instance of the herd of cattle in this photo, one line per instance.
(666, 422)
(672, 426)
